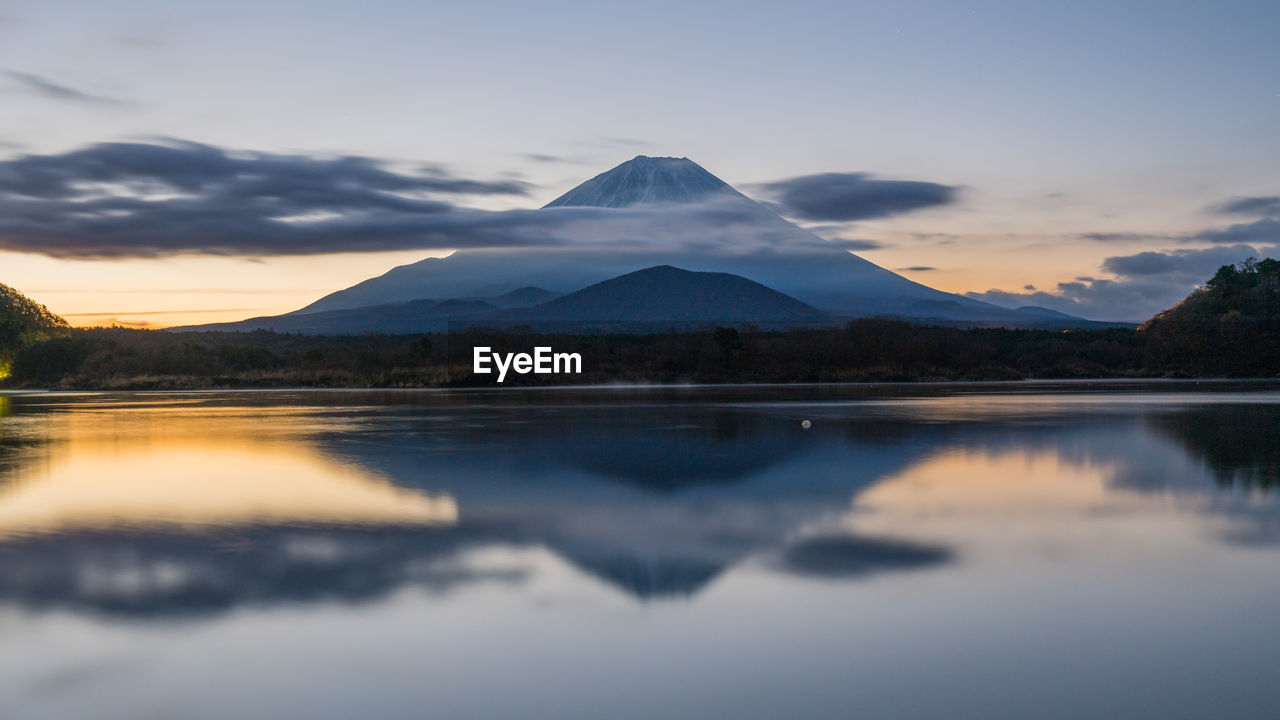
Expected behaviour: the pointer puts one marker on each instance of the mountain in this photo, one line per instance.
(703, 219)
(658, 297)
(394, 318)
(523, 297)
(665, 294)
(405, 318)
(650, 212)
(646, 181)
(1046, 312)
(23, 322)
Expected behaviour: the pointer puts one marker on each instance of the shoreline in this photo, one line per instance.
(1047, 383)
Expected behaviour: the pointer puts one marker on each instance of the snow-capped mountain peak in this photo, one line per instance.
(646, 180)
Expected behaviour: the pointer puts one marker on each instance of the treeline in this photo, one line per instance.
(864, 350)
(1229, 328)
(122, 358)
(24, 323)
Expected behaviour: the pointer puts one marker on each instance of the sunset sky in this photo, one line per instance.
(1099, 158)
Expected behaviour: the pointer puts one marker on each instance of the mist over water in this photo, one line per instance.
(962, 550)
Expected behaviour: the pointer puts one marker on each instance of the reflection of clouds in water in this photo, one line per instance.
(1120, 474)
(592, 483)
(847, 556)
(160, 574)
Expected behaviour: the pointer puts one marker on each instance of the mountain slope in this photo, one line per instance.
(523, 297)
(782, 256)
(668, 294)
(686, 217)
(415, 316)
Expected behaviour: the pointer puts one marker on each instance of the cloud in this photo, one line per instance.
(1147, 282)
(1192, 265)
(55, 91)
(856, 244)
(117, 200)
(626, 142)
(843, 197)
(1116, 237)
(545, 159)
(834, 234)
(142, 41)
(1266, 230)
(1144, 284)
(148, 199)
(1267, 206)
(844, 556)
(917, 268)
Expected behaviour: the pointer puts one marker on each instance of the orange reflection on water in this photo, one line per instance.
(1009, 502)
(194, 467)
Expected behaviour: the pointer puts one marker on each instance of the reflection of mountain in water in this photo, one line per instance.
(647, 578)
(701, 487)
(1239, 443)
(675, 447)
(656, 498)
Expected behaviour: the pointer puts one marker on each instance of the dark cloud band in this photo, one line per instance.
(844, 197)
(120, 200)
(1265, 206)
(148, 199)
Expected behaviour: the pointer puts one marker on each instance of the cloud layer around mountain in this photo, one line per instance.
(122, 200)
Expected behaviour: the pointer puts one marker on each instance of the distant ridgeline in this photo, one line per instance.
(1228, 328)
(23, 323)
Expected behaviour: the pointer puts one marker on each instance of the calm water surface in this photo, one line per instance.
(961, 551)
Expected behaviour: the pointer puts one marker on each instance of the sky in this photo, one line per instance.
(1099, 158)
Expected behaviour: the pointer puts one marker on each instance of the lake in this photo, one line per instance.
(1019, 550)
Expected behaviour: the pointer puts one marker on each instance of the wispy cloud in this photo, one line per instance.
(546, 159)
(1123, 237)
(1263, 229)
(149, 199)
(47, 88)
(1264, 206)
(118, 200)
(1144, 283)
